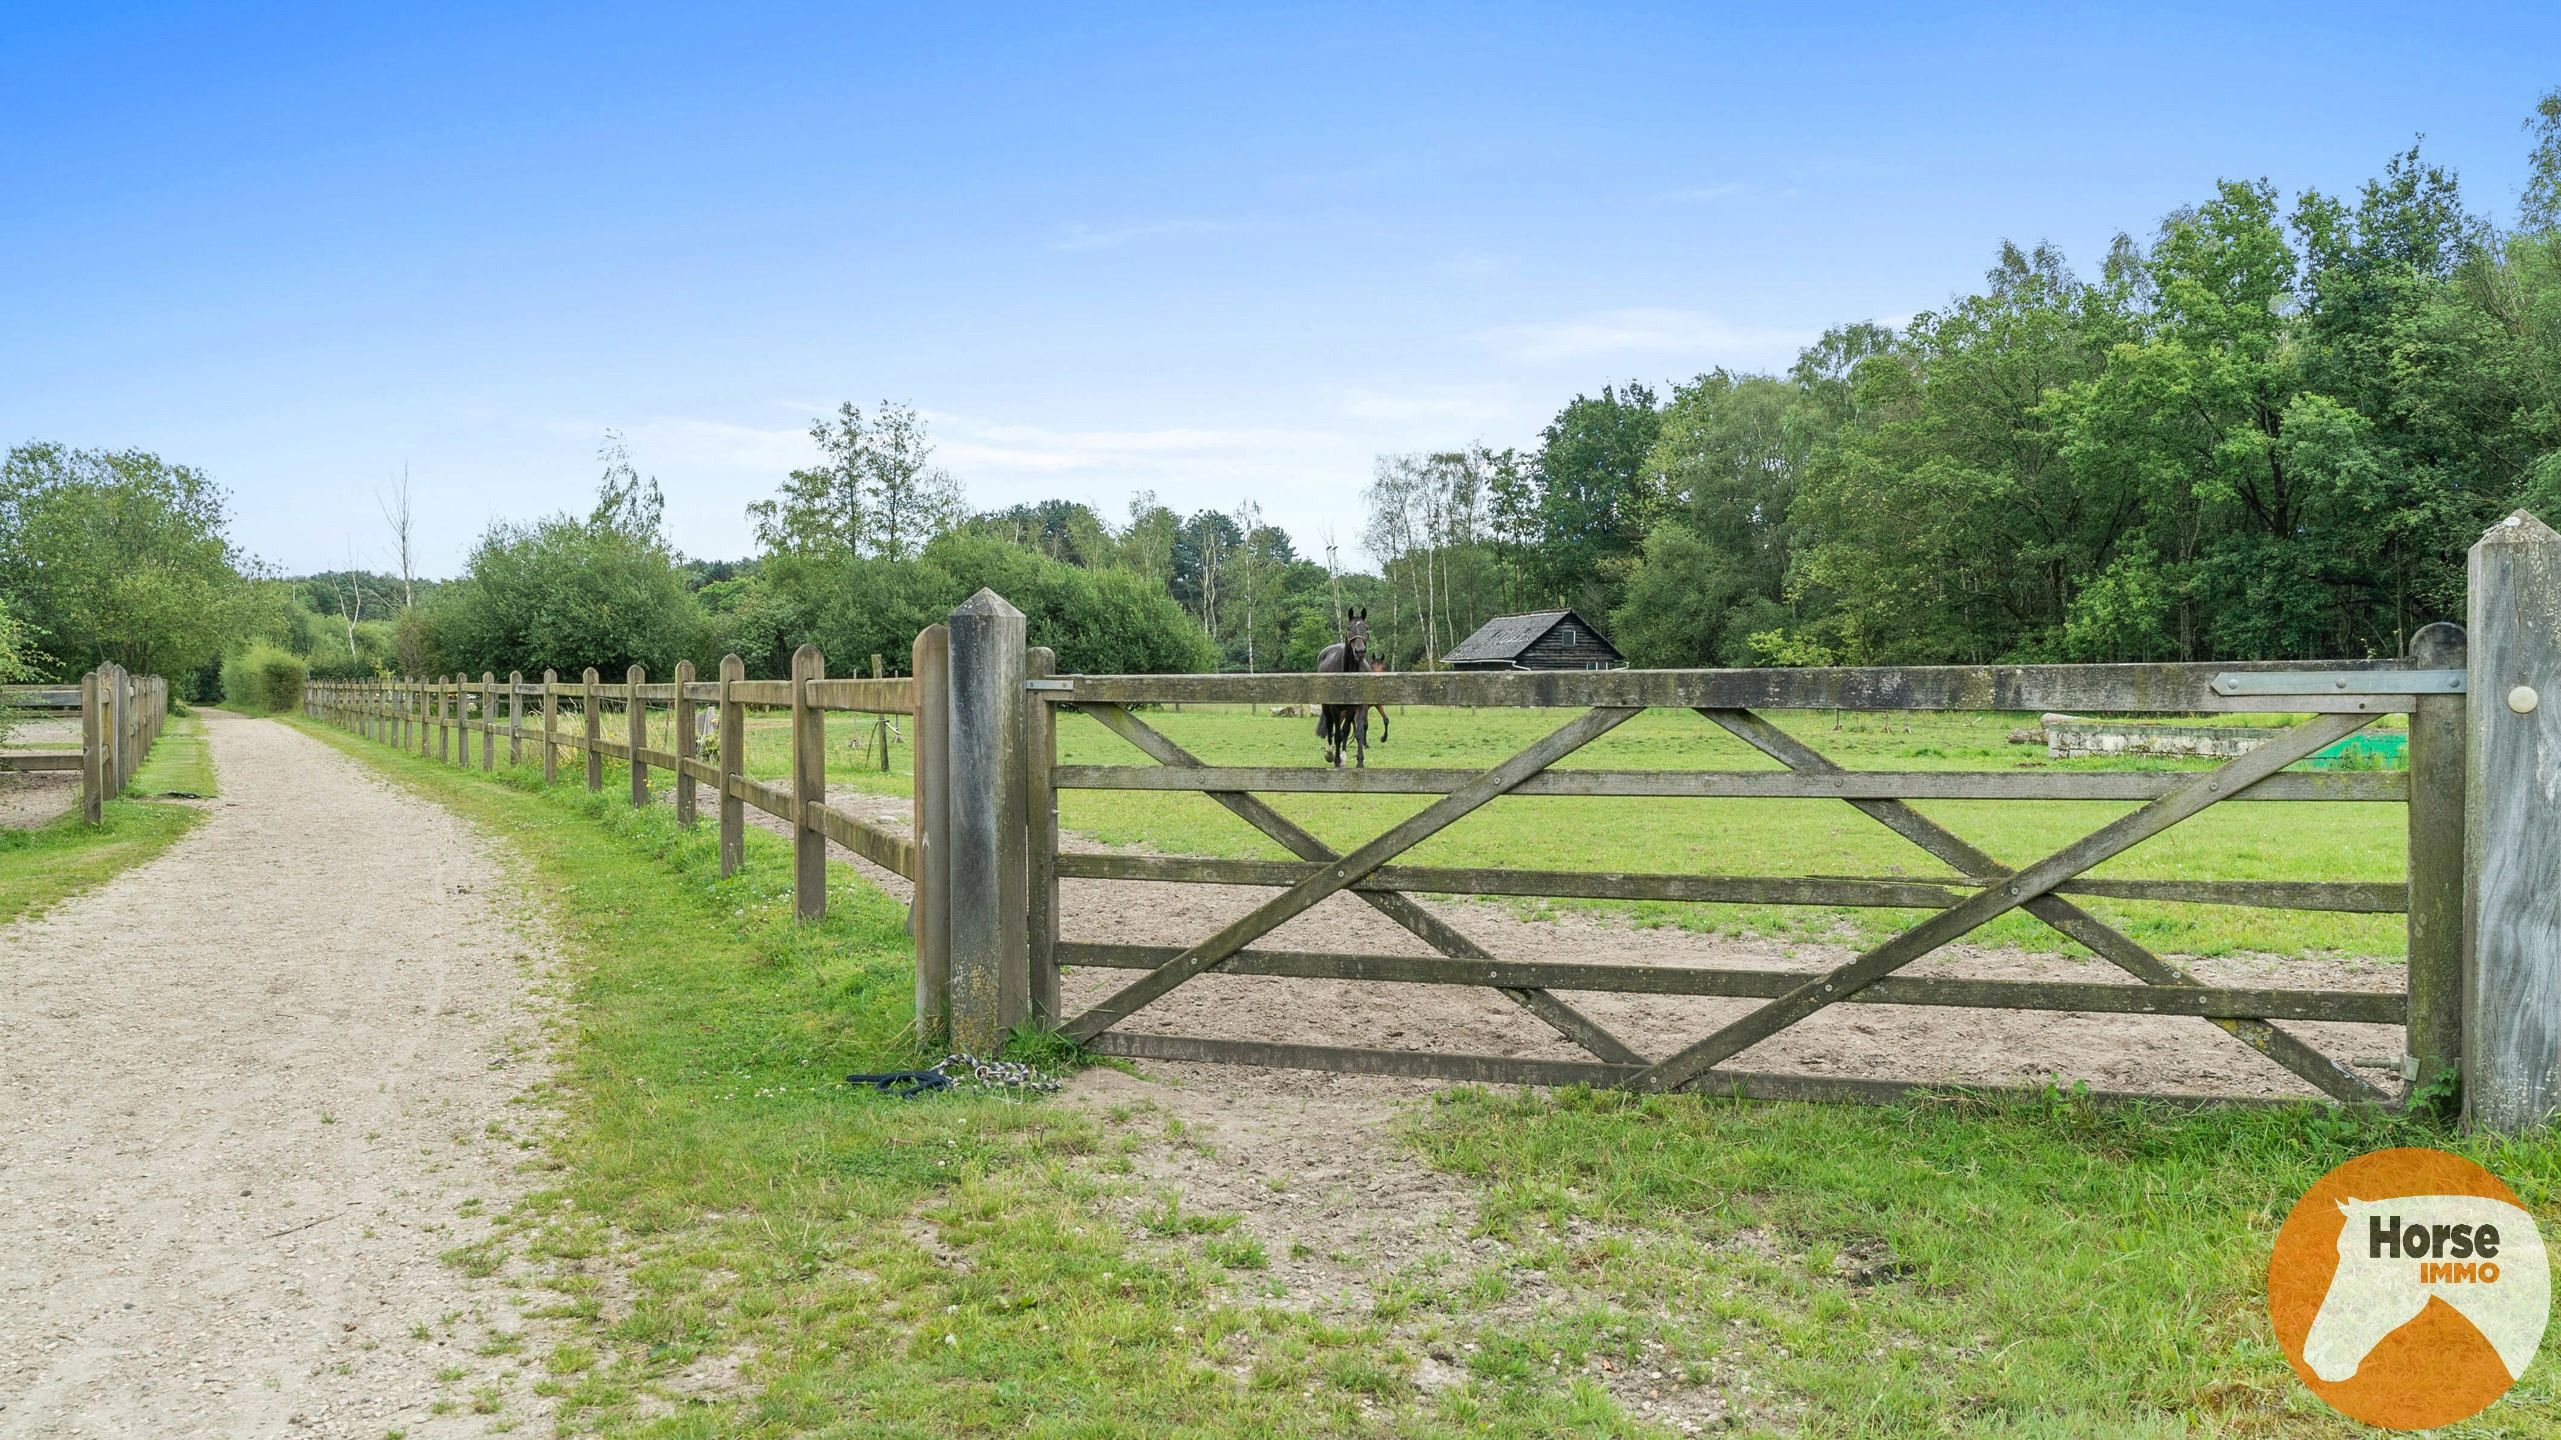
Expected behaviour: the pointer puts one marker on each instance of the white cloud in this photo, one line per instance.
(1645, 331)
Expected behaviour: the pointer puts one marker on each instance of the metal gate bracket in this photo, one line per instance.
(2341, 682)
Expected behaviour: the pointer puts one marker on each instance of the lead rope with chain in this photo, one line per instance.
(958, 1070)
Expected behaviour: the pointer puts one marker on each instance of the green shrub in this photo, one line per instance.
(263, 680)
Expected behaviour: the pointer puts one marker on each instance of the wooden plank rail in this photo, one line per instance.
(2346, 785)
(121, 717)
(1874, 892)
(2161, 689)
(2374, 1007)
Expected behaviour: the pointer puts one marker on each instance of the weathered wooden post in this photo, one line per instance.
(684, 743)
(488, 722)
(93, 749)
(990, 854)
(929, 914)
(595, 722)
(636, 717)
(115, 731)
(733, 767)
(550, 727)
(2435, 926)
(1040, 752)
(2512, 831)
(808, 785)
(515, 717)
(445, 720)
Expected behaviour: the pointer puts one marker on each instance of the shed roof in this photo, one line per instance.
(1504, 637)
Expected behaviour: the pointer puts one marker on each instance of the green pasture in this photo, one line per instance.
(1722, 837)
(712, 1196)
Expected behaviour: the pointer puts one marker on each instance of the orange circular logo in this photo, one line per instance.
(2409, 1288)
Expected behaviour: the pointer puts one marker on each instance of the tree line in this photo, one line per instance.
(2270, 430)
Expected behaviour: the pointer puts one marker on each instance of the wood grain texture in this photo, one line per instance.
(2438, 733)
(2165, 688)
(808, 786)
(929, 913)
(2512, 1012)
(2365, 1006)
(2343, 785)
(989, 804)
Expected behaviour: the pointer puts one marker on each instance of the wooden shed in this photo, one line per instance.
(1543, 640)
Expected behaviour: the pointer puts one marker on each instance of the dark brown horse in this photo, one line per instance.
(1338, 726)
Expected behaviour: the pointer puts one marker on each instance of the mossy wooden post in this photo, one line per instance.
(550, 727)
(515, 717)
(683, 745)
(488, 722)
(595, 729)
(2512, 831)
(2435, 925)
(444, 719)
(93, 749)
(929, 914)
(1040, 755)
(808, 785)
(636, 713)
(733, 767)
(990, 854)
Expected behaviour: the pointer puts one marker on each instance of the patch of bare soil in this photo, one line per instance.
(256, 1089)
(36, 797)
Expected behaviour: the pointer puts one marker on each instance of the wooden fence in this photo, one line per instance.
(541, 721)
(2481, 895)
(121, 714)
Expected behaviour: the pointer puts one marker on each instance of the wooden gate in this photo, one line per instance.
(2340, 698)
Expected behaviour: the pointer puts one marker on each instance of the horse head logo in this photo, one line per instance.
(2482, 1256)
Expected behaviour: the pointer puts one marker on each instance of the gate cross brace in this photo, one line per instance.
(1348, 870)
(2016, 889)
(1567, 1021)
(2073, 922)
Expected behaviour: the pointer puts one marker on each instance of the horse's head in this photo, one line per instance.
(1356, 638)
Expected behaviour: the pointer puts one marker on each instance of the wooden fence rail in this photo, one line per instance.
(662, 740)
(121, 716)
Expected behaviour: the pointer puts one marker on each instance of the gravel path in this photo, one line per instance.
(253, 1091)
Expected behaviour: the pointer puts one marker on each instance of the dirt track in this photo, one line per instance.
(250, 1089)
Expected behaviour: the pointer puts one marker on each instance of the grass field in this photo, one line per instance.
(1728, 837)
(716, 1201)
(41, 866)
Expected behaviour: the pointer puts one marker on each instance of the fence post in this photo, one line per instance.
(635, 714)
(929, 914)
(119, 700)
(488, 722)
(1040, 752)
(683, 744)
(515, 717)
(444, 697)
(93, 749)
(2435, 926)
(595, 732)
(990, 853)
(2512, 874)
(808, 785)
(550, 727)
(733, 766)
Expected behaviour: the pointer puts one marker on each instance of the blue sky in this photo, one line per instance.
(1217, 252)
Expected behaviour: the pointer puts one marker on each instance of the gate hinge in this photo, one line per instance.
(2341, 682)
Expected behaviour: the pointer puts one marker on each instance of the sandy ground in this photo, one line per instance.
(253, 1090)
(33, 797)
